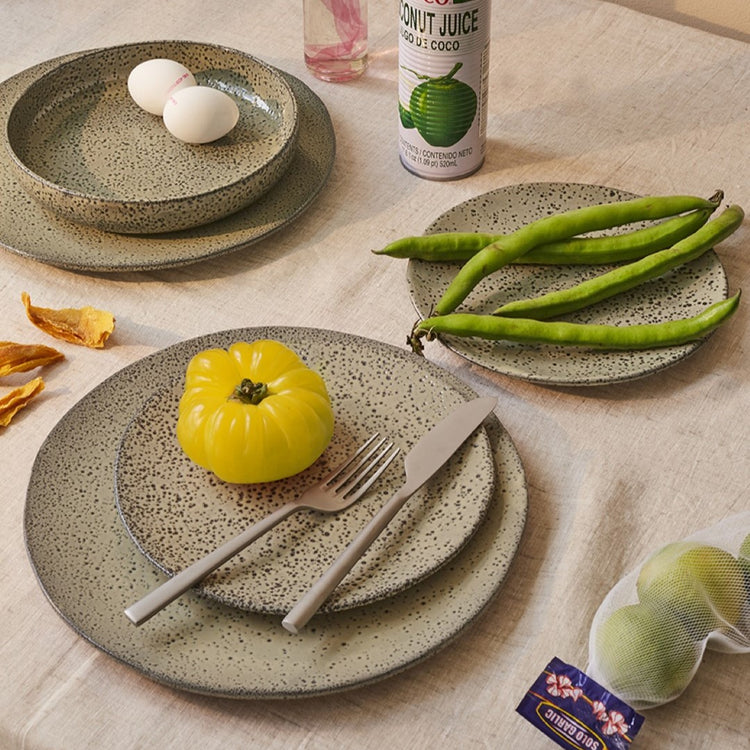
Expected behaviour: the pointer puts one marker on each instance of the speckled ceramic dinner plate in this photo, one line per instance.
(90, 570)
(177, 511)
(87, 151)
(683, 292)
(31, 231)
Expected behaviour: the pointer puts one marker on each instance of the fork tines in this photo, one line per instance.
(355, 474)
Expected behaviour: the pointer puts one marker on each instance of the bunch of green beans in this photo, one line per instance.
(527, 330)
(628, 276)
(558, 227)
(654, 251)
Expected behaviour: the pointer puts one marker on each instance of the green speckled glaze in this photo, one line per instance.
(177, 512)
(29, 230)
(86, 151)
(90, 569)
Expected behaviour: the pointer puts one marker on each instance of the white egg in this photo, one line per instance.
(151, 83)
(200, 114)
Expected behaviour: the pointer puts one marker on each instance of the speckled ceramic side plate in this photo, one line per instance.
(33, 232)
(85, 150)
(90, 570)
(683, 292)
(177, 511)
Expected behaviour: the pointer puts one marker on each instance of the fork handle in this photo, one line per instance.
(168, 591)
(311, 601)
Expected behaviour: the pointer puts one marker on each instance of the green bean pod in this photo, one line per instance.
(441, 246)
(628, 276)
(616, 248)
(557, 227)
(589, 335)
(451, 247)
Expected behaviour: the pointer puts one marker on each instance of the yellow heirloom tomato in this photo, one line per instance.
(253, 413)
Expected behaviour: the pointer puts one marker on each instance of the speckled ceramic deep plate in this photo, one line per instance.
(90, 570)
(88, 152)
(176, 511)
(29, 230)
(683, 292)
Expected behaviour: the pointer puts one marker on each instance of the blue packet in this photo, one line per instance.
(575, 711)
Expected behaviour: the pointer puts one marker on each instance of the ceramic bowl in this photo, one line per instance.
(86, 151)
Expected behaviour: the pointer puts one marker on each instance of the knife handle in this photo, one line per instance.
(310, 602)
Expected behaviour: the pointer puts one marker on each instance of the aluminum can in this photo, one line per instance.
(443, 58)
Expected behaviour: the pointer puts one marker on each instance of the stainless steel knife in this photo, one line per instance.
(431, 451)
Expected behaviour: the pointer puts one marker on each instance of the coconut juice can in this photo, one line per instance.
(443, 59)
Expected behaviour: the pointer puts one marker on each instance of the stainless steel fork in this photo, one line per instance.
(342, 487)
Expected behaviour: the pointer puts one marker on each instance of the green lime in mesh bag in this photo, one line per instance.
(649, 634)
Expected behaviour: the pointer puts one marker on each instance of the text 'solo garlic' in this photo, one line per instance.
(443, 58)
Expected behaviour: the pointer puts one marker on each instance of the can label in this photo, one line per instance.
(443, 57)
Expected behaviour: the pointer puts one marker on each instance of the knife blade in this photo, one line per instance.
(428, 455)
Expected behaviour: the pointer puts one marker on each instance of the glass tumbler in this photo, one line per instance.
(336, 38)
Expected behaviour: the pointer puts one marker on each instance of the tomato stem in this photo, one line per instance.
(250, 392)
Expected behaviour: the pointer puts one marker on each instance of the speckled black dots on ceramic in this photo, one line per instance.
(87, 152)
(177, 512)
(91, 570)
(32, 231)
(682, 292)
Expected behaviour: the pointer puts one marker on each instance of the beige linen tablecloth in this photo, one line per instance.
(580, 91)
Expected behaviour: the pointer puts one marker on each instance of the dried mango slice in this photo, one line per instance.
(86, 326)
(16, 399)
(22, 357)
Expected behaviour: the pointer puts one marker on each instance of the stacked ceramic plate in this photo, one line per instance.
(114, 190)
(114, 507)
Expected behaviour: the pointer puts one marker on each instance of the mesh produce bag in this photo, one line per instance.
(649, 634)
